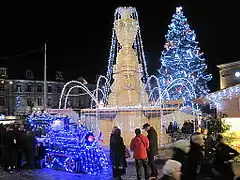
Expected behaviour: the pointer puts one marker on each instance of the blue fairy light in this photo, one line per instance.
(73, 150)
(181, 54)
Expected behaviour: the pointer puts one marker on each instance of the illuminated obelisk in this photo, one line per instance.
(127, 88)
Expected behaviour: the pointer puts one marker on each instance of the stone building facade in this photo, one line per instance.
(21, 96)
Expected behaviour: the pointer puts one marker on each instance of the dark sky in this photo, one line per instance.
(79, 34)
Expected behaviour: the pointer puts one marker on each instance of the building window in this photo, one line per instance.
(18, 88)
(29, 101)
(49, 102)
(59, 89)
(49, 88)
(3, 72)
(1, 87)
(29, 88)
(29, 74)
(39, 88)
(39, 101)
(80, 103)
(59, 76)
(1, 101)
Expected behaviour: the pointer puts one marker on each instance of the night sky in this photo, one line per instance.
(79, 35)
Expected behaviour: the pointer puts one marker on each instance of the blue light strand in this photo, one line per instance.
(70, 150)
(181, 59)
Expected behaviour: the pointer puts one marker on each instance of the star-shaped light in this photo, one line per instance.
(178, 9)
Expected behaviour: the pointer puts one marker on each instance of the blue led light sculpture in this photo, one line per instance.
(72, 148)
(182, 59)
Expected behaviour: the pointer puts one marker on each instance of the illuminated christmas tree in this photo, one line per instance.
(183, 67)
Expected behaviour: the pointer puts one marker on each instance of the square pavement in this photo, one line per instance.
(50, 174)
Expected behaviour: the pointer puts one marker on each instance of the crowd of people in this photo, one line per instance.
(144, 148)
(203, 157)
(18, 148)
(198, 158)
(187, 128)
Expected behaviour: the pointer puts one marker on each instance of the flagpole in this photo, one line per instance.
(45, 77)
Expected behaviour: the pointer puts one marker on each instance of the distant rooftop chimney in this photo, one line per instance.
(3, 73)
(29, 74)
(59, 76)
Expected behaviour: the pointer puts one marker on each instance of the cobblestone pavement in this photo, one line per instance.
(49, 174)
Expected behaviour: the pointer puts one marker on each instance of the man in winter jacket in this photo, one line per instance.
(153, 148)
(139, 146)
(195, 155)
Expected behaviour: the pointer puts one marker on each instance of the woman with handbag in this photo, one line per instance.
(118, 154)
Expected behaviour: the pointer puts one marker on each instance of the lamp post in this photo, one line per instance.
(45, 77)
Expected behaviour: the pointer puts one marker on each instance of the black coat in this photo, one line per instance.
(20, 138)
(223, 154)
(117, 151)
(8, 140)
(195, 159)
(153, 141)
(182, 157)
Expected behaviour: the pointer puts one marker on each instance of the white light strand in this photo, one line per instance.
(77, 86)
(73, 82)
(112, 53)
(215, 98)
(142, 49)
(106, 85)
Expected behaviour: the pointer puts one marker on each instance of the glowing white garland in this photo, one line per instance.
(106, 85)
(173, 83)
(73, 82)
(141, 47)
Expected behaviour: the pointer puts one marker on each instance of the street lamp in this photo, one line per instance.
(237, 74)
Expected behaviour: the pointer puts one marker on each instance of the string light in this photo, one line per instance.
(74, 82)
(181, 59)
(73, 150)
(216, 97)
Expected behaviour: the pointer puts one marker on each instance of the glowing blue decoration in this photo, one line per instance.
(72, 149)
(181, 59)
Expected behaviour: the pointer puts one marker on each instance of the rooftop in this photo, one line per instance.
(221, 66)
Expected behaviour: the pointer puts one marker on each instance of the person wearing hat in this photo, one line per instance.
(153, 148)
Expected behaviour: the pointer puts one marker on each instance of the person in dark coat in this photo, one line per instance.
(20, 138)
(10, 154)
(170, 129)
(117, 155)
(111, 136)
(2, 132)
(222, 157)
(153, 148)
(209, 144)
(30, 149)
(180, 153)
(195, 155)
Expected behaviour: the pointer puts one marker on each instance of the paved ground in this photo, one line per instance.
(48, 174)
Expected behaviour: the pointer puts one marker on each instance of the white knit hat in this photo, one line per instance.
(170, 167)
(182, 144)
